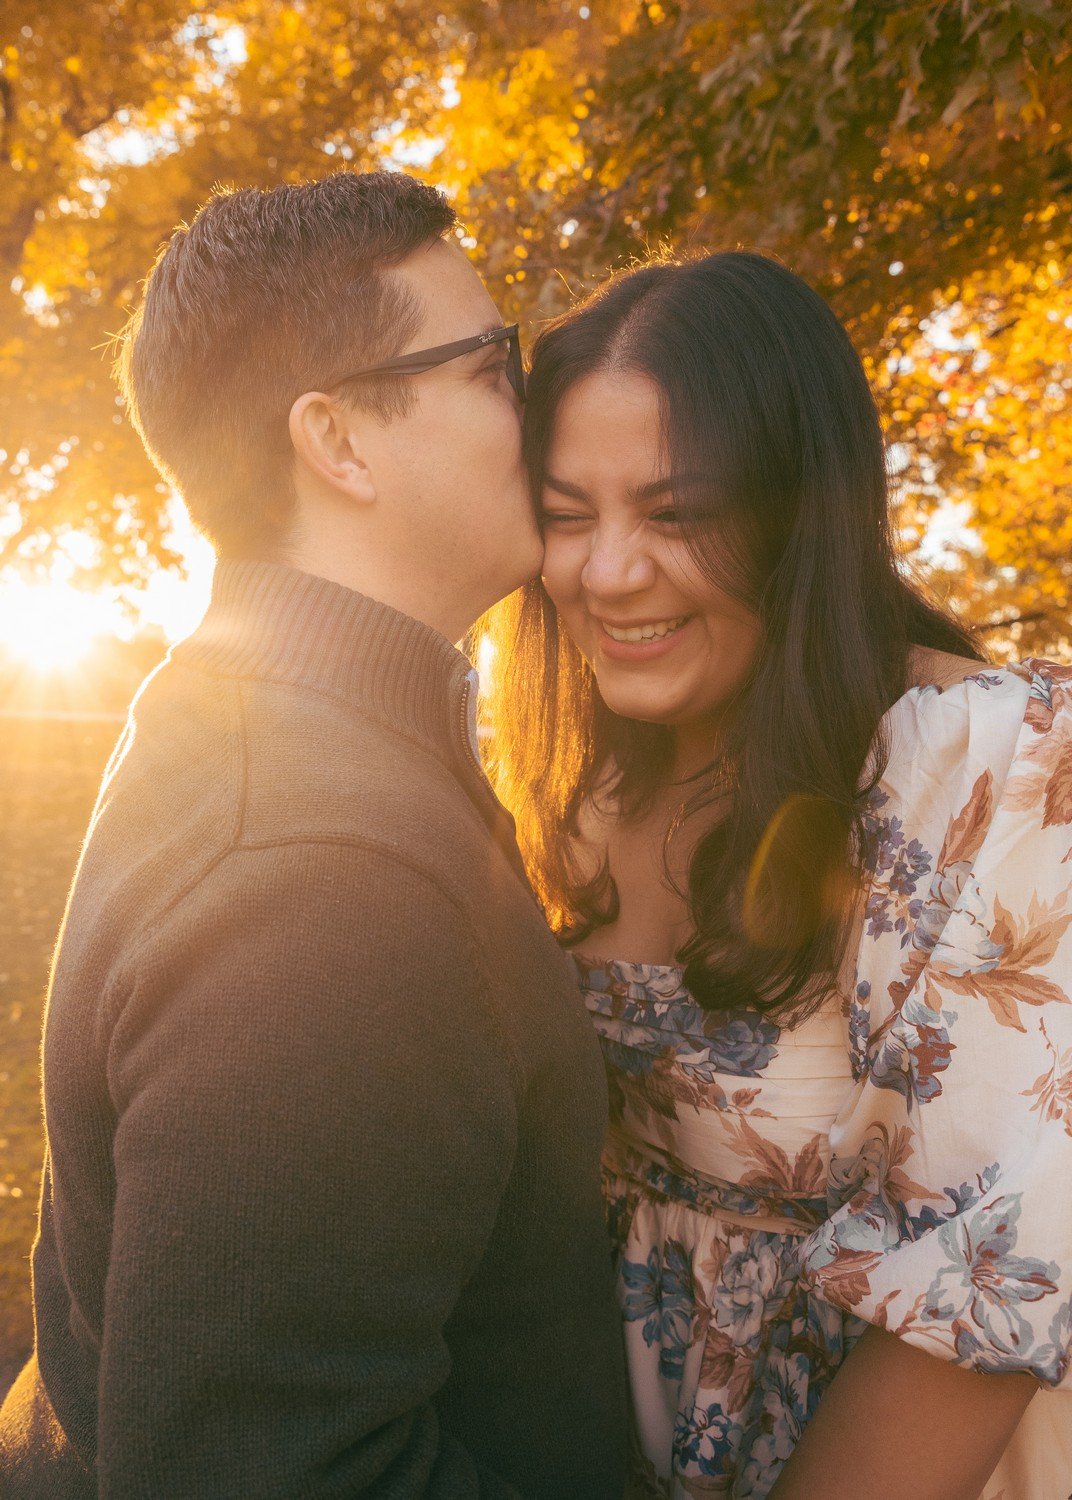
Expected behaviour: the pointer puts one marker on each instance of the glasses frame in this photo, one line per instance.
(419, 360)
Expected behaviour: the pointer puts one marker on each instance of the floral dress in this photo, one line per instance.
(902, 1158)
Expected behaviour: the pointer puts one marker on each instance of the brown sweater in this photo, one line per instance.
(324, 1113)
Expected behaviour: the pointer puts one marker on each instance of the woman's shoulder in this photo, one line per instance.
(950, 690)
(965, 724)
(943, 669)
(937, 672)
(940, 669)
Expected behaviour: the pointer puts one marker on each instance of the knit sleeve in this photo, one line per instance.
(316, 1122)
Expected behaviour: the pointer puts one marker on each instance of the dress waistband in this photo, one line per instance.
(674, 1182)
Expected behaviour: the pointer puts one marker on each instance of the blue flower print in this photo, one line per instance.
(645, 1026)
(743, 1043)
(966, 1196)
(776, 1425)
(882, 836)
(914, 1051)
(705, 1441)
(1052, 1360)
(952, 923)
(632, 1056)
(753, 1286)
(800, 1354)
(941, 899)
(859, 1028)
(897, 866)
(984, 1283)
(660, 1290)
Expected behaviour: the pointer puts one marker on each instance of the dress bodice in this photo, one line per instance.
(727, 1106)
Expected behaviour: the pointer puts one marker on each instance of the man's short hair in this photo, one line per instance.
(266, 294)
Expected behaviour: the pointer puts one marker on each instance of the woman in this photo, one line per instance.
(813, 858)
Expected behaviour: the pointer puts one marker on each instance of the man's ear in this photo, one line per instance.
(326, 440)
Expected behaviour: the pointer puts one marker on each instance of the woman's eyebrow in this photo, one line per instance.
(637, 493)
(653, 488)
(573, 491)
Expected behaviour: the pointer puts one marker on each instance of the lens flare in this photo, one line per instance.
(52, 627)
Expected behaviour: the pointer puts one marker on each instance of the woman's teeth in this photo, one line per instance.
(645, 632)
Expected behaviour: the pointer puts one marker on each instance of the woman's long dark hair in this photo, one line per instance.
(766, 405)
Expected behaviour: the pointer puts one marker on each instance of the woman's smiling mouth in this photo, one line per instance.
(647, 630)
(642, 641)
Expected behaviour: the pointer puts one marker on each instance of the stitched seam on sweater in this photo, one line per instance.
(443, 754)
(353, 842)
(221, 854)
(243, 768)
(110, 1006)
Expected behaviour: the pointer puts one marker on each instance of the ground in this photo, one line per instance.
(49, 772)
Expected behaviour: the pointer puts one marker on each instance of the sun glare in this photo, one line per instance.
(52, 626)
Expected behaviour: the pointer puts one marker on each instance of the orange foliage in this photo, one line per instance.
(913, 162)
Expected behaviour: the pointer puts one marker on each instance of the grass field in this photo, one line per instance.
(49, 771)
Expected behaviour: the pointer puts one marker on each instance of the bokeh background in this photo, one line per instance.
(911, 160)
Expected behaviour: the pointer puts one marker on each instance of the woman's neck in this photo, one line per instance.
(696, 747)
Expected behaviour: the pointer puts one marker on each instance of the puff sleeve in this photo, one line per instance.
(950, 1219)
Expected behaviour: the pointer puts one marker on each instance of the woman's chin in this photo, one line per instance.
(653, 709)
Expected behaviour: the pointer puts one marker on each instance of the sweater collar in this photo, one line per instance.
(269, 621)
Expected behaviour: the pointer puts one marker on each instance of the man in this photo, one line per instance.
(320, 1214)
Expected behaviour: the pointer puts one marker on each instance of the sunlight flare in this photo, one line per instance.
(53, 626)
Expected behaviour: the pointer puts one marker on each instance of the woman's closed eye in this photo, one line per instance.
(665, 517)
(560, 517)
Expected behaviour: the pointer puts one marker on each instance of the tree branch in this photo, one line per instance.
(1032, 618)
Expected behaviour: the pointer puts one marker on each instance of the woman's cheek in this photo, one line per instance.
(556, 575)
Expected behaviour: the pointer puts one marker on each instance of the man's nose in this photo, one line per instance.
(618, 564)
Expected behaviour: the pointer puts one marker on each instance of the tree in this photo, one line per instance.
(911, 160)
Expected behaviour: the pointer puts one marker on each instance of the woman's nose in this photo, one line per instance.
(617, 564)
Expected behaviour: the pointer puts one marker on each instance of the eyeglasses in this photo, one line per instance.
(420, 360)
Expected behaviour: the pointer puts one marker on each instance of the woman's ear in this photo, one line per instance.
(326, 442)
